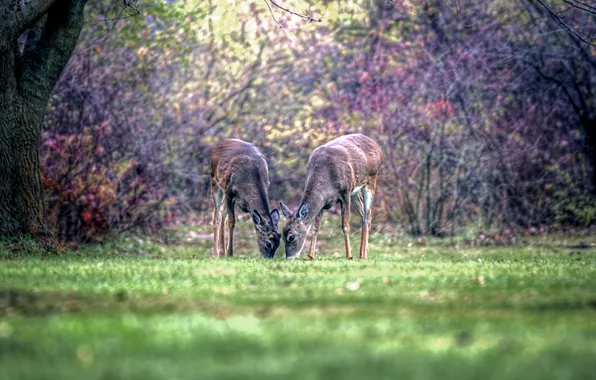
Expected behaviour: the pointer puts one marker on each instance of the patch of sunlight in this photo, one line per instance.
(188, 327)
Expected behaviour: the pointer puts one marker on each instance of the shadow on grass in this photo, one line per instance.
(14, 302)
(563, 306)
(43, 303)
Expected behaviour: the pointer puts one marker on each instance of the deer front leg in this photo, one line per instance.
(217, 195)
(313, 242)
(345, 224)
(368, 195)
(358, 202)
(231, 225)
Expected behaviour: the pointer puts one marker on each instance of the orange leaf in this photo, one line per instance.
(86, 215)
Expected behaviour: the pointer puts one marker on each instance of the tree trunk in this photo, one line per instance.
(21, 203)
(28, 74)
(590, 130)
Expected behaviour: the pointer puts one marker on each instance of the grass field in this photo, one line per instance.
(141, 310)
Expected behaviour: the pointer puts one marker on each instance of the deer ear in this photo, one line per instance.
(275, 217)
(303, 211)
(256, 218)
(285, 210)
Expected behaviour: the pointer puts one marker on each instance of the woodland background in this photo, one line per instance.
(484, 109)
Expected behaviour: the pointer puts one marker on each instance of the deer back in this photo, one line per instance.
(343, 164)
(240, 169)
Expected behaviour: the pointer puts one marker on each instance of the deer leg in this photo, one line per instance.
(217, 195)
(368, 195)
(222, 227)
(358, 202)
(345, 224)
(313, 242)
(231, 225)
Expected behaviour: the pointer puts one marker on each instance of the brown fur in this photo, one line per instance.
(333, 172)
(239, 177)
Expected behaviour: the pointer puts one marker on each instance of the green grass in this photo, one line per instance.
(138, 309)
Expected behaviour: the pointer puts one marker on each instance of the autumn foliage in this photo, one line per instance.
(483, 112)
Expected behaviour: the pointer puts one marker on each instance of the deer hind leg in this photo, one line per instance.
(368, 194)
(218, 207)
(313, 242)
(358, 202)
(222, 227)
(345, 224)
(231, 225)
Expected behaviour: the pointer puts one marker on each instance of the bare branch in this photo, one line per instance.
(560, 21)
(272, 15)
(292, 13)
(130, 7)
(582, 6)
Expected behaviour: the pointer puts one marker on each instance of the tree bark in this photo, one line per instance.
(590, 130)
(28, 75)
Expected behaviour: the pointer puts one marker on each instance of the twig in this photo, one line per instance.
(291, 12)
(129, 8)
(581, 5)
(569, 29)
(272, 15)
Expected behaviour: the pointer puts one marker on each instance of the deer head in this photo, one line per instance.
(296, 229)
(268, 237)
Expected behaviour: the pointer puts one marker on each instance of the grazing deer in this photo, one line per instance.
(344, 171)
(239, 174)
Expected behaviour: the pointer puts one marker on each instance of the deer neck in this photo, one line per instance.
(259, 200)
(315, 201)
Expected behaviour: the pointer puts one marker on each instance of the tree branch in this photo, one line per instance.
(582, 6)
(291, 12)
(560, 21)
(45, 58)
(27, 17)
(13, 24)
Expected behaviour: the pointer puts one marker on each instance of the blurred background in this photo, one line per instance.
(484, 109)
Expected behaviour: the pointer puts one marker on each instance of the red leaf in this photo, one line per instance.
(86, 215)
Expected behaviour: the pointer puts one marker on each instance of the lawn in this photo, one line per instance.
(139, 309)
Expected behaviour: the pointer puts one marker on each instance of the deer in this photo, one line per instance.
(343, 171)
(240, 177)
